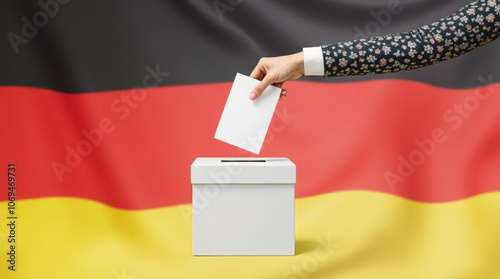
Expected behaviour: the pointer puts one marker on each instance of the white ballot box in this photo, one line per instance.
(243, 206)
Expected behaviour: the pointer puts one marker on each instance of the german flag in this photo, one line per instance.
(105, 105)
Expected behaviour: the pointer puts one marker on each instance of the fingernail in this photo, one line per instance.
(252, 96)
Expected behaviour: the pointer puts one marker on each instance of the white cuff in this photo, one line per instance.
(313, 61)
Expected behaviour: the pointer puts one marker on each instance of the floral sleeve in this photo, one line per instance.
(472, 26)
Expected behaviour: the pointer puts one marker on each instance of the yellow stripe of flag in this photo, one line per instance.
(351, 235)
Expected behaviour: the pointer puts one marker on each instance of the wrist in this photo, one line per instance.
(298, 62)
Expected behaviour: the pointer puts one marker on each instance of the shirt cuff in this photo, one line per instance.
(313, 61)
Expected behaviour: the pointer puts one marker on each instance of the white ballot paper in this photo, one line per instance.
(244, 122)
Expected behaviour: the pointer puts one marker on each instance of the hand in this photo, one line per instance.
(275, 71)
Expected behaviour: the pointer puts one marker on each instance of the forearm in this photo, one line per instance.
(472, 26)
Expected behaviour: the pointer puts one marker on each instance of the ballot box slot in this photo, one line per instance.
(243, 161)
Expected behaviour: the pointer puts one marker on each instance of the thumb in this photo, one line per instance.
(257, 91)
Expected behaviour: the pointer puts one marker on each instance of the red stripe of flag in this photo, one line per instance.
(434, 144)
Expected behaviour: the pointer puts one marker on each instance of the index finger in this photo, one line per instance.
(257, 73)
